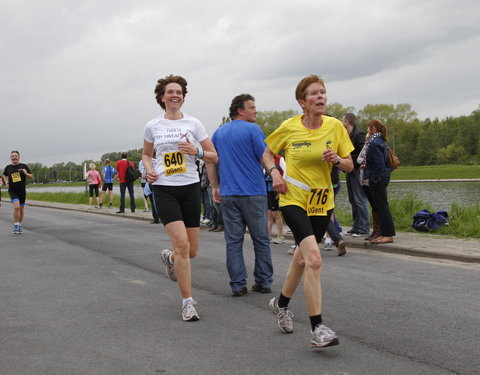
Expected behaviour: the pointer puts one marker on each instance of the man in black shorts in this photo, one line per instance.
(15, 176)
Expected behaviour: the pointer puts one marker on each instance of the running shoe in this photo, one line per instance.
(323, 336)
(279, 240)
(189, 313)
(16, 229)
(327, 245)
(145, 209)
(19, 229)
(284, 316)
(169, 268)
(292, 249)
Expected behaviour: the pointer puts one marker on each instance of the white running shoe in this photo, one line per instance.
(323, 336)
(169, 268)
(284, 316)
(189, 314)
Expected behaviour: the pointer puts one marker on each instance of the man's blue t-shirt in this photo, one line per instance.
(240, 146)
(109, 173)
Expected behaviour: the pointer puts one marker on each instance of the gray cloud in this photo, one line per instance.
(77, 79)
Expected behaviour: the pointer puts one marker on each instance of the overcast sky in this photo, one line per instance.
(77, 76)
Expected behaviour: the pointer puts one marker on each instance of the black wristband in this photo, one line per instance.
(274, 167)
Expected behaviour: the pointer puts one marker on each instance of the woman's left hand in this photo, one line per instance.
(330, 156)
(187, 148)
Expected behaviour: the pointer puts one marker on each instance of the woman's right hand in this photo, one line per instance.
(151, 176)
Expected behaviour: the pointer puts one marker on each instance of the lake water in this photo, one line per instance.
(439, 195)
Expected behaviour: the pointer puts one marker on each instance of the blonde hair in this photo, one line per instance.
(92, 165)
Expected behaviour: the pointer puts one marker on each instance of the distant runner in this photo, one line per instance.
(15, 176)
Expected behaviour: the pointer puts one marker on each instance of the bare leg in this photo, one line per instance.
(185, 246)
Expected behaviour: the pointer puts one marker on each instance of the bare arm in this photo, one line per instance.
(147, 155)
(345, 164)
(279, 184)
(212, 178)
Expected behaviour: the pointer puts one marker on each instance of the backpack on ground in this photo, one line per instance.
(426, 221)
(130, 173)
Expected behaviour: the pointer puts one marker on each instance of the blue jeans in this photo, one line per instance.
(359, 202)
(239, 212)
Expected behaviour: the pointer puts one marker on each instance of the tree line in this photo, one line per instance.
(453, 140)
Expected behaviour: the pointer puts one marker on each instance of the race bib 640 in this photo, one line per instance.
(173, 163)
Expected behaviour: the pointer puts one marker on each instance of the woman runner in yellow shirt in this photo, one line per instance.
(313, 143)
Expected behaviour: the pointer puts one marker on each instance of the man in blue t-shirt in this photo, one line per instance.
(242, 193)
(108, 173)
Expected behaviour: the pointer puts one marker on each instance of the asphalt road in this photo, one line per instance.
(87, 294)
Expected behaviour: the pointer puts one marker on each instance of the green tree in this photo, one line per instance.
(337, 110)
(271, 120)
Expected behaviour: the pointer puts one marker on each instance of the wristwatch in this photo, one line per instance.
(339, 160)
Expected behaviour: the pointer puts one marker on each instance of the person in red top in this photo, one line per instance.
(122, 170)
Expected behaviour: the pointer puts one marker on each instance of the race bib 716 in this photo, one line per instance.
(319, 200)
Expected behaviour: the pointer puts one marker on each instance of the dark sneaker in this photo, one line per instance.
(16, 229)
(284, 316)
(239, 293)
(189, 314)
(169, 269)
(259, 289)
(323, 337)
(360, 234)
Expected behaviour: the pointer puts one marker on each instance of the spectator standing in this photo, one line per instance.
(94, 181)
(356, 195)
(207, 217)
(376, 177)
(108, 173)
(143, 181)
(242, 193)
(273, 212)
(122, 166)
(15, 178)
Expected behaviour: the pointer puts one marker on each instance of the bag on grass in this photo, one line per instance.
(425, 221)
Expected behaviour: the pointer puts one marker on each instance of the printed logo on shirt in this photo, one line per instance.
(16, 177)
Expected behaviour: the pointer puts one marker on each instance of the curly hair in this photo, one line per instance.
(238, 102)
(163, 82)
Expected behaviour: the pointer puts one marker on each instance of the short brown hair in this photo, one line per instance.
(301, 90)
(379, 128)
(163, 82)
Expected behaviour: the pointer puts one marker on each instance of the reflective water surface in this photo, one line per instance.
(439, 195)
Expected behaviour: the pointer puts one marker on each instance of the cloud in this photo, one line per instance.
(77, 79)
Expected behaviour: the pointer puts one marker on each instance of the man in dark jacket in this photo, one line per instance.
(356, 196)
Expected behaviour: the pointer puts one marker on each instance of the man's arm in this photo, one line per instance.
(212, 178)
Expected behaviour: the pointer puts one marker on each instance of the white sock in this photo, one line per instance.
(185, 300)
(328, 240)
(16, 224)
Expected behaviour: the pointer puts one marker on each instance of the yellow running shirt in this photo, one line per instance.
(303, 155)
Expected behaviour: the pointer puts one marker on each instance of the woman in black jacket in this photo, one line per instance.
(376, 177)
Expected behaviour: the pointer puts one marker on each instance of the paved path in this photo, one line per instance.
(87, 294)
(415, 244)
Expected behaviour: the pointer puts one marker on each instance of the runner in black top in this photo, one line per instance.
(15, 176)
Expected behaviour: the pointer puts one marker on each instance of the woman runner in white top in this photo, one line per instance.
(178, 139)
